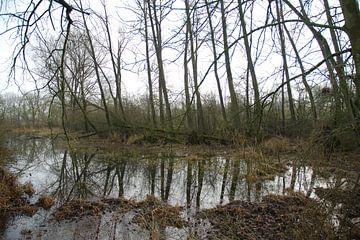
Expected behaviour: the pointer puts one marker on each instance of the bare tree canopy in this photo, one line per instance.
(245, 54)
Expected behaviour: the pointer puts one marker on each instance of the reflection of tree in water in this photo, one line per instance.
(194, 182)
(155, 176)
(166, 168)
(77, 177)
(30, 150)
(234, 179)
(88, 172)
(200, 179)
(115, 171)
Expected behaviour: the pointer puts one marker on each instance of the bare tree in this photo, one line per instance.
(193, 54)
(351, 13)
(235, 117)
(97, 70)
(258, 108)
(148, 66)
(116, 60)
(155, 23)
(213, 45)
(280, 16)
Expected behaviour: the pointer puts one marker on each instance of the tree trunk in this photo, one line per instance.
(116, 65)
(235, 118)
(351, 13)
(199, 111)
(213, 45)
(326, 52)
(188, 107)
(307, 86)
(258, 109)
(151, 95)
(96, 67)
(339, 64)
(156, 30)
(285, 66)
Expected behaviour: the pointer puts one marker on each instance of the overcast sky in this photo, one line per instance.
(135, 81)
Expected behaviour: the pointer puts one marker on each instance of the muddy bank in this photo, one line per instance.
(275, 217)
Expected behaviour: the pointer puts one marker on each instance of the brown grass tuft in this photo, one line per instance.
(78, 208)
(276, 145)
(29, 189)
(9, 189)
(135, 139)
(155, 213)
(46, 202)
(275, 217)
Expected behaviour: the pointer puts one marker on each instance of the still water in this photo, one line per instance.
(91, 173)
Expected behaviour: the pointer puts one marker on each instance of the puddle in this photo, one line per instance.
(93, 174)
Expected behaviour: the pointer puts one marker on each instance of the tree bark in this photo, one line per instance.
(156, 31)
(303, 77)
(199, 111)
(188, 107)
(258, 109)
(285, 65)
(213, 45)
(235, 118)
(351, 13)
(148, 65)
(96, 67)
(325, 50)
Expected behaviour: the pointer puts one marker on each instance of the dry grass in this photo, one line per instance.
(29, 189)
(9, 189)
(155, 213)
(135, 139)
(46, 202)
(276, 217)
(276, 145)
(348, 211)
(259, 166)
(12, 198)
(26, 232)
(151, 213)
(238, 140)
(78, 208)
(193, 157)
(38, 132)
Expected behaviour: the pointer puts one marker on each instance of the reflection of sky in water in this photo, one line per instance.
(42, 164)
(34, 163)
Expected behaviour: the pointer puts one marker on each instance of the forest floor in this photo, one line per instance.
(333, 214)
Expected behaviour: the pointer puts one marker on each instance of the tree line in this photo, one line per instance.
(279, 67)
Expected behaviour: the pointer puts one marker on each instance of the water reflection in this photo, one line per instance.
(90, 172)
(195, 183)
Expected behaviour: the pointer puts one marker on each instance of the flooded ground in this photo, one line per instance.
(110, 191)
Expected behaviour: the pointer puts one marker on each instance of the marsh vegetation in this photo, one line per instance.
(245, 123)
(105, 188)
